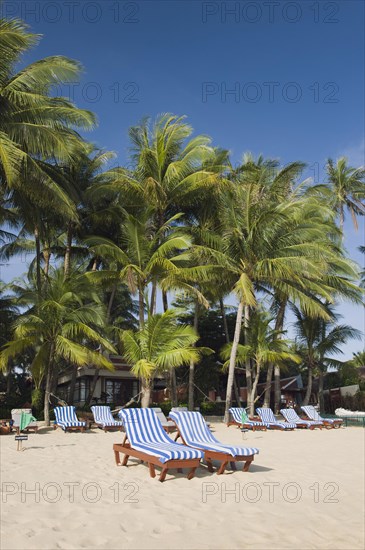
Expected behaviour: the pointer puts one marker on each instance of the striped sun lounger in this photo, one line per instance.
(312, 414)
(195, 433)
(104, 418)
(67, 420)
(147, 440)
(291, 416)
(268, 418)
(236, 415)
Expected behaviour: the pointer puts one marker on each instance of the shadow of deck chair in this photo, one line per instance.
(195, 433)
(146, 440)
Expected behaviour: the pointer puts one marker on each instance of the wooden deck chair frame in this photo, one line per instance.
(153, 461)
(224, 458)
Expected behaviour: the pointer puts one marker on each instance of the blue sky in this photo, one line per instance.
(285, 79)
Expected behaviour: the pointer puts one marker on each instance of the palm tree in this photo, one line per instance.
(161, 344)
(35, 125)
(262, 347)
(64, 324)
(318, 339)
(283, 248)
(347, 185)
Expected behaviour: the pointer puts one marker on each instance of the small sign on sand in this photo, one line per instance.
(20, 439)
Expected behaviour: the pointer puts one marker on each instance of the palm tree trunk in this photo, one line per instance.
(146, 392)
(248, 362)
(38, 259)
(267, 396)
(253, 391)
(141, 308)
(164, 301)
(110, 304)
(232, 360)
(153, 298)
(309, 386)
(67, 260)
(279, 325)
(320, 391)
(47, 259)
(277, 389)
(236, 388)
(192, 365)
(72, 386)
(49, 378)
(94, 381)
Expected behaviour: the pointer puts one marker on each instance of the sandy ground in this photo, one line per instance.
(304, 490)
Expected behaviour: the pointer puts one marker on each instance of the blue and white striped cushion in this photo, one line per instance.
(66, 417)
(103, 416)
(268, 418)
(145, 433)
(236, 413)
(311, 412)
(291, 416)
(195, 433)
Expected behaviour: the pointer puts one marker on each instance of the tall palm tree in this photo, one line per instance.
(64, 324)
(281, 248)
(161, 344)
(262, 346)
(347, 185)
(34, 124)
(317, 340)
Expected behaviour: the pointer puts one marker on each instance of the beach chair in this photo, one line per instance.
(182, 409)
(103, 418)
(236, 420)
(291, 416)
(67, 420)
(312, 414)
(147, 440)
(16, 415)
(268, 418)
(195, 433)
(168, 425)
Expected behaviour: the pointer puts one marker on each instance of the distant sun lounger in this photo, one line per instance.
(312, 414)
(103, 418)
(268, 418)
(195, 433)
(16, 416)
(146, 439)
(167, 425)
(67, 420)
(236, 420)
(291, 416)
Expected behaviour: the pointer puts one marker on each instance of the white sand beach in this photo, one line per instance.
(304, 490)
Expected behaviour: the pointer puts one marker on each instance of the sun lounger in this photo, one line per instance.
(236, 420)
(67, 420)
(195, 433)
(182, 409)
(16, 415)
(268, 418)
(104, 419)
(146, 439)
(312, 414)
(291, 416)
(168, 425)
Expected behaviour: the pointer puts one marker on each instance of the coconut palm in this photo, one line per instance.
(33, 124)
(161, 344)
(64, 324)
(283, 248)
(318, 339)
(262, 347)
(347, 186)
